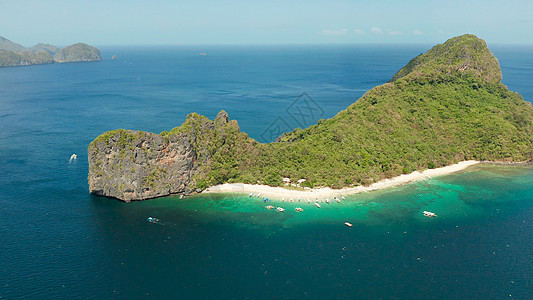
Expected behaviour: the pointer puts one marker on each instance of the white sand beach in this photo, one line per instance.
(321, 193)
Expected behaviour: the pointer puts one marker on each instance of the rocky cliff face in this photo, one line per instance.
(136, 165)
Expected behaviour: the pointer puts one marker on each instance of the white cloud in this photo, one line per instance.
(417, 32)
(334, 31)
(358, 31)
(376, 30)
(393, 32)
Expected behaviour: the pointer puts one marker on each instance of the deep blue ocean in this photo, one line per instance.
(57, 241)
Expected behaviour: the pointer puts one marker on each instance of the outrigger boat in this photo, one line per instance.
(280, 209)
(430, 214)
(152, 219)
(269, 207)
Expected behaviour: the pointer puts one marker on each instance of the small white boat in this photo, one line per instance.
(280, 209)
(338, 200)
(259, 195)
(298, 209)
(327, 200)
(317, 205)
(348, 224)
(342, 197)
(269, 207)
(152, 219)
(308, 200)
(429, 214)
(251, 194)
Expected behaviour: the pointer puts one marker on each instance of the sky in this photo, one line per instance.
(204, 22)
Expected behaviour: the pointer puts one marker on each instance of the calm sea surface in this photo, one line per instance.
(57, 241)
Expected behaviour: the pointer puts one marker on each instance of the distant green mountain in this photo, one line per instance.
(13, 54)
(445, 106)
(45, 47)
(8, 45)
(11, 59)
(77, 52)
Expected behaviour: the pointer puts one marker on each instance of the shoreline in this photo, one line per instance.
(277, 193)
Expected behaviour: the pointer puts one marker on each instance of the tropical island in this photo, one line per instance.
(13, 54)
(446, 106)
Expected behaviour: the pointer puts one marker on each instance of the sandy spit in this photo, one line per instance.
(321, 193)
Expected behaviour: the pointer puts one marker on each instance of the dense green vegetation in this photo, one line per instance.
(467, 54)
(445, 106)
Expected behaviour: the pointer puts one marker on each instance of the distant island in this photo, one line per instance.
(13, 54)
(445, 106)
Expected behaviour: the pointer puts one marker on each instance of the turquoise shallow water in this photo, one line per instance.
(477, 192)
(57, 241)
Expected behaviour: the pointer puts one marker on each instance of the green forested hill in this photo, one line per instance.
(444, 106)
(77, 52)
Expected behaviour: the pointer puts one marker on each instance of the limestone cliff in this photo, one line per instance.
(135, 165)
